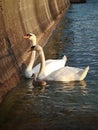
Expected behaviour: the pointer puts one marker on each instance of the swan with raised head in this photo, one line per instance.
(51, 65)
(66, 73)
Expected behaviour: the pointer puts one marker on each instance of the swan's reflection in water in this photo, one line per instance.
(57, 103)
(74, 85)
(58, 86)
(70, 86)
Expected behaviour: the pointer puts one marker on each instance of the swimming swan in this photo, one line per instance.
(66, 73)
(51, 65)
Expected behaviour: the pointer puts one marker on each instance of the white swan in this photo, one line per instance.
(63, 74)
(68, 74)
(51, 65)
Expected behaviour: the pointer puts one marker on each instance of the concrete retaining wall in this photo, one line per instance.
(18, 17)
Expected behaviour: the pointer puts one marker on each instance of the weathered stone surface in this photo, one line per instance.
(18, 17)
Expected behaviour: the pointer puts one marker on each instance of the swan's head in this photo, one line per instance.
(31, 37)
(28, 35)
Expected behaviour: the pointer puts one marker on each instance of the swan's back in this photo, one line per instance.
(51, 65)
(63, 74)
(68, 74)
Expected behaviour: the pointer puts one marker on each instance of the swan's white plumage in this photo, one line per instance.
(53, 69)
(50, 65)
(68, 74)
(28, 71)
(33, 39)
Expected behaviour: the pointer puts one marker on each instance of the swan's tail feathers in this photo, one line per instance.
(64, 58)
(84, 73)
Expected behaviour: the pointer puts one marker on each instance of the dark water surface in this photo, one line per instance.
(67, 106)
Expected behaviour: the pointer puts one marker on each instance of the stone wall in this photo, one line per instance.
(18, 17)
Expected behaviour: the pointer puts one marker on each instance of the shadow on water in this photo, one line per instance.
(58, 105)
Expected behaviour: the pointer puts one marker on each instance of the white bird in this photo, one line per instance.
(51, 65)
(66, 73)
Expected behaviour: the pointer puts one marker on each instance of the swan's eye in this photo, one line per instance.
(28, 34)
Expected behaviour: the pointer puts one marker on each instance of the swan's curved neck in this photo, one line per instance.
(31, 63)
(39, 49)
(33, 40)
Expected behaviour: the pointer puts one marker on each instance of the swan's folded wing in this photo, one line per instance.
(68, 74)
(53, 65)
(62, 74)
